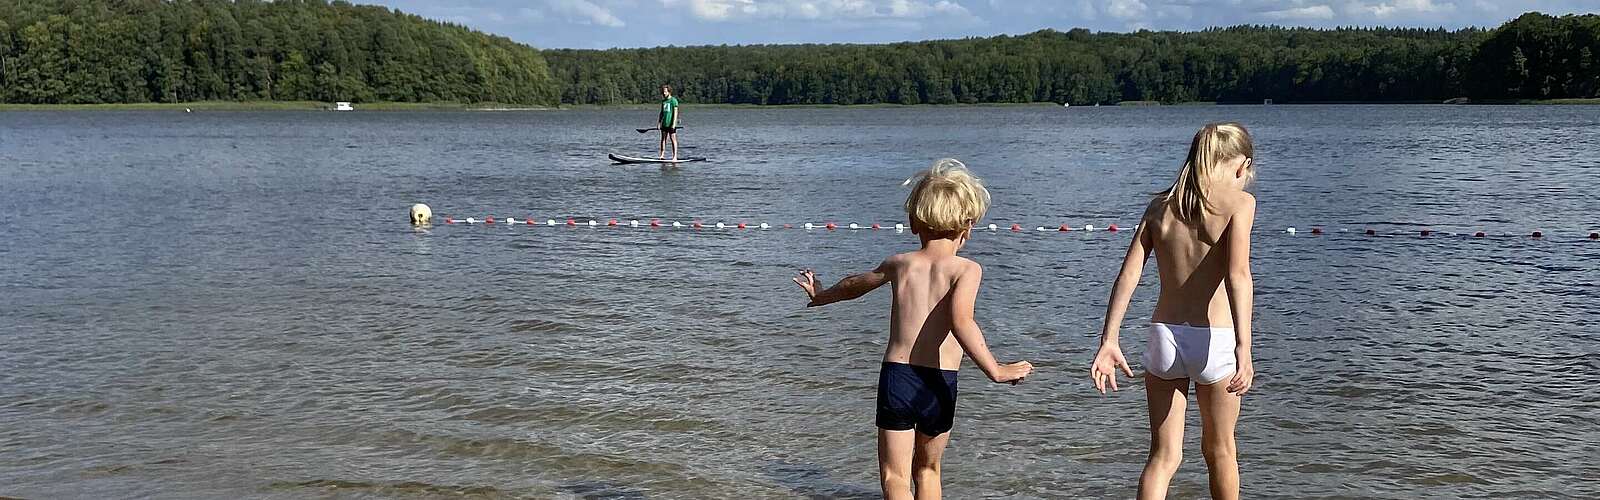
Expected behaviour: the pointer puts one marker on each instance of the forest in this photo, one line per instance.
(137, 51)
(159, 51)
(1535, 56)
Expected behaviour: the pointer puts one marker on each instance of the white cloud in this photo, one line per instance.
(1394, 8)
(812, 10)
(1308, 13)
(585, 11)
(1125, 9)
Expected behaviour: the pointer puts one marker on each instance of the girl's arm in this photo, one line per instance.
(970, 336)
(848, 288)
(1104, 369)
(1241, 292)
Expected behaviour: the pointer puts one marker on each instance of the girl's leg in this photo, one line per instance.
(1219, 412)
(894, 463)
(925, 466)
(1167, 399)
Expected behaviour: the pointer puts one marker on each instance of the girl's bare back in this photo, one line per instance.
(1192, 260)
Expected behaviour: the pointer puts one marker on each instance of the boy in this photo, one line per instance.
(669, 123)
(930, 326)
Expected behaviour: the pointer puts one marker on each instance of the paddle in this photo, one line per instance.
(643, 130)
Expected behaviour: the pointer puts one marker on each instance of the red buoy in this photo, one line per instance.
(1538, 234)
(741, 225)
(1426, 232)
(830, 226)
(488, 220)
(875, 226)
(1594, 236)
(571, 222)
(655, 223)
(611, 222)
(1016, 227)
(1112, 227)
(1371, 232)
(697, 224)
(788, 226)
(1316, 230)
(1478, 234)
(448, 220)
(1064, 228)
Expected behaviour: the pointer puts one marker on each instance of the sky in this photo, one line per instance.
(650, 23)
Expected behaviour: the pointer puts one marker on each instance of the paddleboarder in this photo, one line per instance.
(669, 123)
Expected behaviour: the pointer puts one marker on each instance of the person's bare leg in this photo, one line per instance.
(661, 149)
(894, 463)
(1219, 413)
(1167, 399)
(674, 145)
(925, 465)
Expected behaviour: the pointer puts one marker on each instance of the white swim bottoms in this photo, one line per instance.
(1203, 354)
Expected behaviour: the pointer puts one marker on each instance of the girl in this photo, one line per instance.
(1199, 230)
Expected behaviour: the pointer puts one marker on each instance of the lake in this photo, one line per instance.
(232, 304)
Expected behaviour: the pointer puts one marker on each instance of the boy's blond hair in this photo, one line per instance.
(947, 198)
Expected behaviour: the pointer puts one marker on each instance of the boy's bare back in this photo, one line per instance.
(925, 287)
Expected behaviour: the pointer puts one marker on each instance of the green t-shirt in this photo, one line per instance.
(669, 110)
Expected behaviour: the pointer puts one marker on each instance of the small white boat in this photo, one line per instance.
(343, 106)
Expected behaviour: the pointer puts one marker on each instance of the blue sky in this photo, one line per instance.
(646, 23)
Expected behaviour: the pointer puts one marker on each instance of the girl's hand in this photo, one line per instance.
(1243, 378)
(1104, 369)
(808, 282)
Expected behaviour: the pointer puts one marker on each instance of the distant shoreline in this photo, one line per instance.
(451, 106)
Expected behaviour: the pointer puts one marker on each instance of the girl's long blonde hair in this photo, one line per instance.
(1213, 144)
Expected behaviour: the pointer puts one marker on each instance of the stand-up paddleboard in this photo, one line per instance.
(621, 159)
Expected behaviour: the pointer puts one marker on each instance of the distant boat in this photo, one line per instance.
(343, 106)
(1266, 102)
(1066, 104)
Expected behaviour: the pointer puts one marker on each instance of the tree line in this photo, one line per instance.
(134, 51)
(1535, 56)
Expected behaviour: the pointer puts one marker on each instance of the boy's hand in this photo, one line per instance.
(1243, 378)
(1104, 369)
(1012, 373)
(808, 282)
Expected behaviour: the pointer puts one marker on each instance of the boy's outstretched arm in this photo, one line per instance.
(970, 336)
(848, 288)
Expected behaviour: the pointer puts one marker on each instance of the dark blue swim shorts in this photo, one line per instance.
(916, 397)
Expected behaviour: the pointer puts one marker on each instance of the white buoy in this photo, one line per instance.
(472, 220)
(720, 226)
(592, 223)
(1088, 227)
(549, 222)
(764, 225)
(1040, 228)
(854, 226)
(511, 220)
(808, 225)
(677, 224)
(1289, 230)
(899, 227)
(993, 227)
(421, 214)
(633, 223)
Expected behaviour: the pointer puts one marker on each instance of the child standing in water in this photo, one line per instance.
(930, 326)
(1199, 230)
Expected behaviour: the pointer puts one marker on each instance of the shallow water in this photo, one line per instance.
(231, 304)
